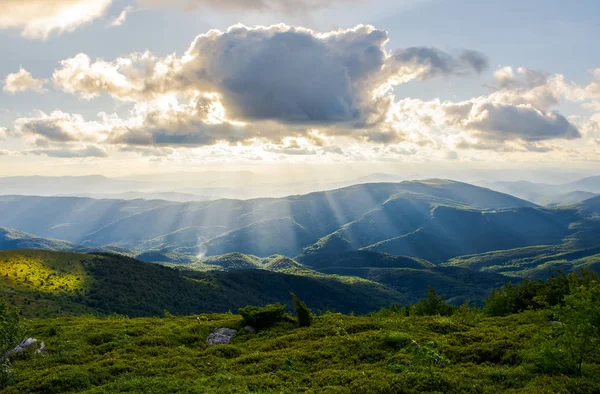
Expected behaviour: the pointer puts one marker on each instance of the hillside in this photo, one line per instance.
(43, 283)
(454, 232)
(565, 199)
(384, 353)
(283, 225)
(14, 239)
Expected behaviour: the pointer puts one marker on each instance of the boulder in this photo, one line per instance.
(220, 336)
(250, 329)
(24, 345)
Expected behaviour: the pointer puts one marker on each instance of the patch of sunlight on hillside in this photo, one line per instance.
(43, 272)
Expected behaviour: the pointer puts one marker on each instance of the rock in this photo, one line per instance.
(24, 345)
(41, 348)
(250, 329)
(220, 336)
(556, 323)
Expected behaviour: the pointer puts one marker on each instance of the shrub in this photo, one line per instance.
(433, 305)
(535, 294)
(302, 312)
(577, 336)
(11, 334)
(262, 317)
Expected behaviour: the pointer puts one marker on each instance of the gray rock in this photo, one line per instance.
(250, 329)
(220, 336)
(24, 345)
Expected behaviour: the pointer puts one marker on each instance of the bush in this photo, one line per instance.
(11, 334)
(262, 317)
(576, 337)
(302, 312)
(535, 294)
(433, 305)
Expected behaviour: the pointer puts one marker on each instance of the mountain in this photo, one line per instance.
(453, 232)
(44, 283)
(589, 184)
(548, 194)
(66, 185)
(566, 199)
(260, 227)
(134, 195)
(67, 218)
(14, 239)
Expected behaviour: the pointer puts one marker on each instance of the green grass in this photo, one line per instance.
(381, 353)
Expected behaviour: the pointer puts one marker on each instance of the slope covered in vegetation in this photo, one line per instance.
(43, 283)
(517, 344)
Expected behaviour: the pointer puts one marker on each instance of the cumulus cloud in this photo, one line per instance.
(488, 121)
(507, 122)
(278, 73)
(22, 81)
(59, 126)
(39, 18)
(69, 152)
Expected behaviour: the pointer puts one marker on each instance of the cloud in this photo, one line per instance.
(428, 62)
(119, 20)
(22, 81)
(4, 152)
(4, 132)
(276, 73)
(197, 123)
(67, 152)
(249, 5)
(59, 126)
(161, 152)
(504, 122)
(39, 18)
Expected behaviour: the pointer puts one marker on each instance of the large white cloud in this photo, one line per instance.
(39, 18)
(275, 73)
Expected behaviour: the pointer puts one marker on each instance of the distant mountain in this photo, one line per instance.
(548, 194)
(589, 184)
(566, 199)
(14, 239)
(260, 227)
(66, 185)
(454, 232)
(133, 195)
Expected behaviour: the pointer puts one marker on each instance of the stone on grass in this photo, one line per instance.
(220, 336)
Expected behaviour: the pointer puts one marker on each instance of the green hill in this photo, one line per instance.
(43, 283)
(385, 353)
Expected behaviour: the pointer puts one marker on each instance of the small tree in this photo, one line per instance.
(577, 336)
(302, 312)
(434, 304)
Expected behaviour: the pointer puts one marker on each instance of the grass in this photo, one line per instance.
(381, 353)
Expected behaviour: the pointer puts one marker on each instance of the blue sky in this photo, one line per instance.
(547, 112)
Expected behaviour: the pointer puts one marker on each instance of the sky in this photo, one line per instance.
(119, 87)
